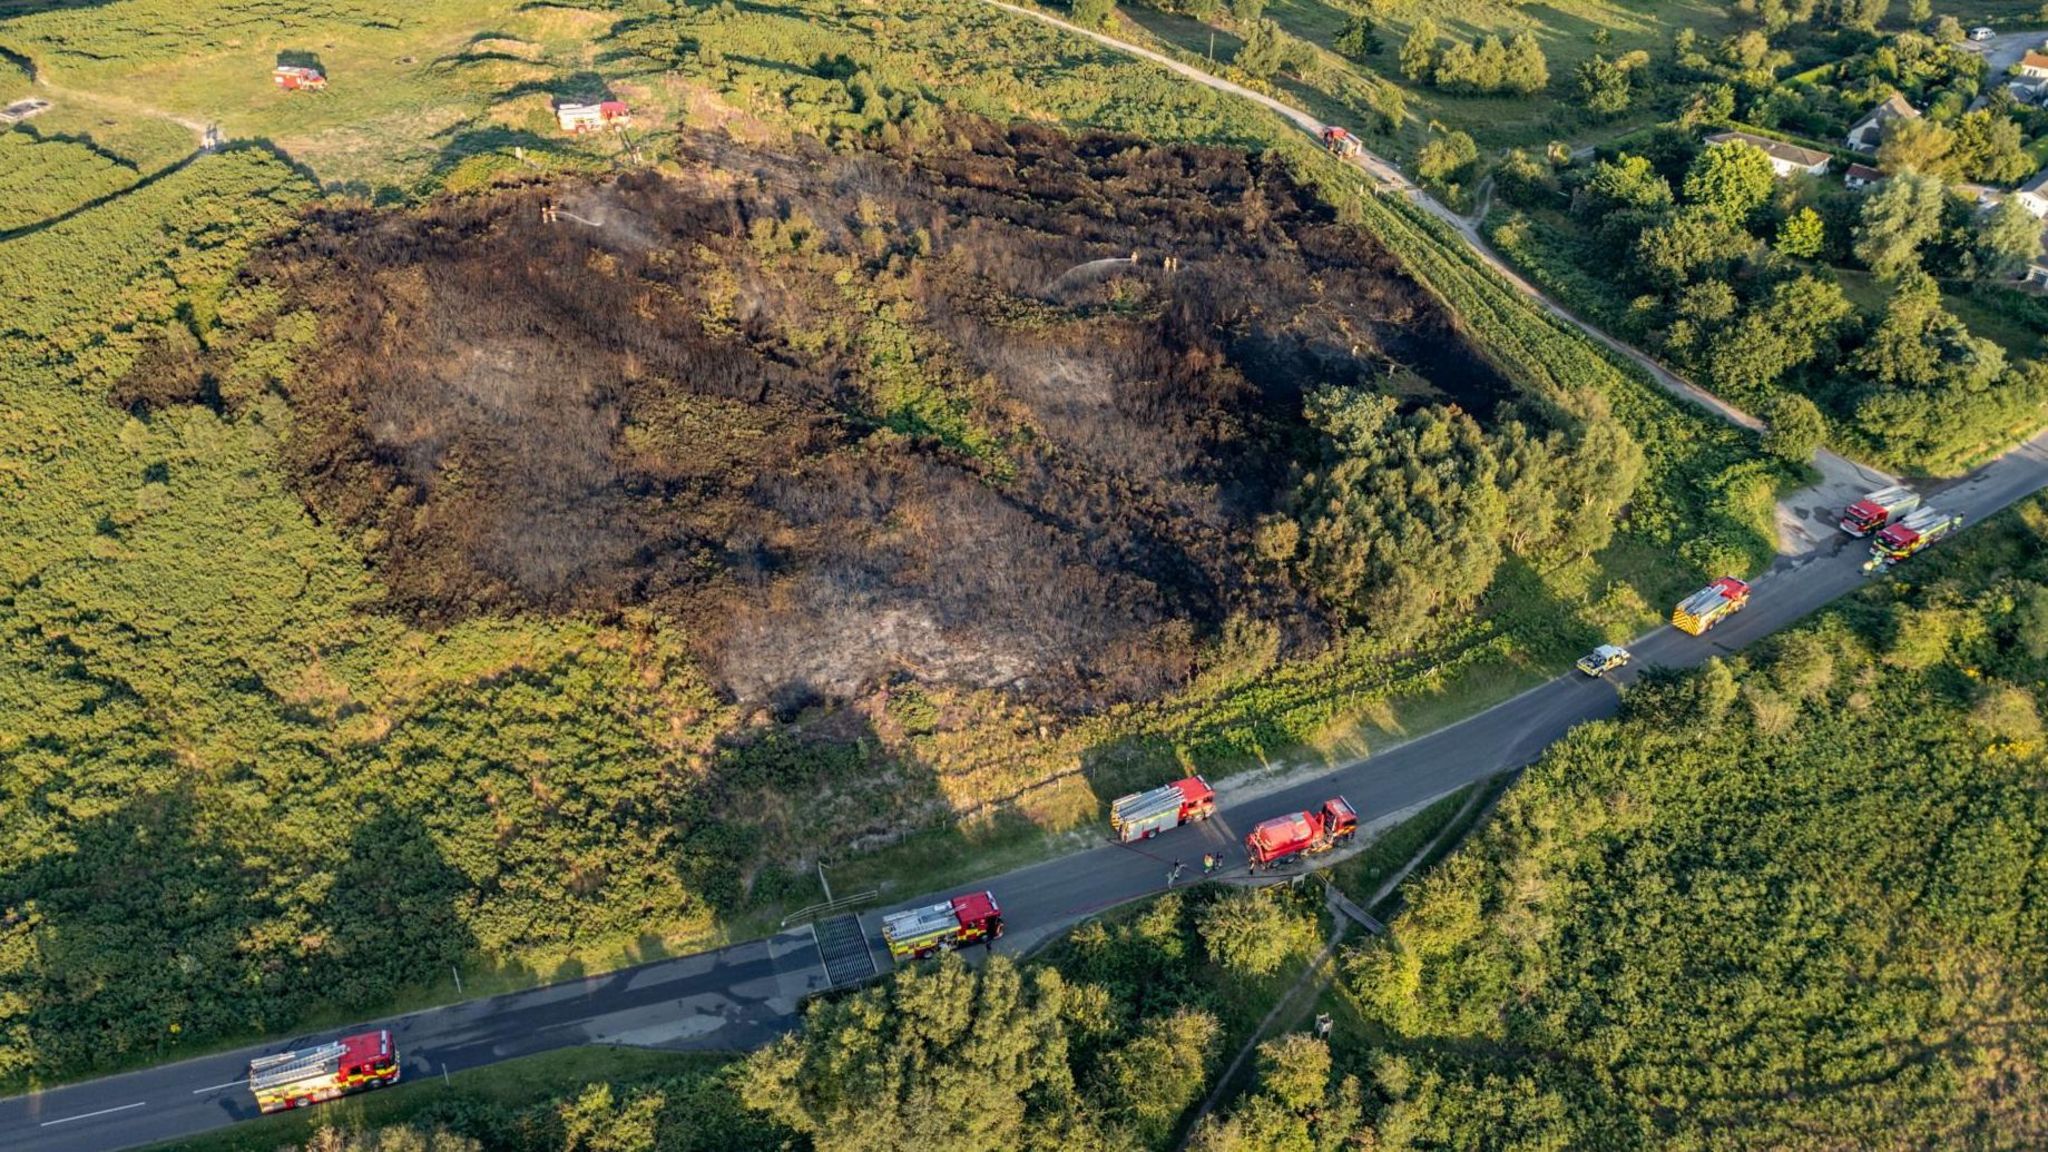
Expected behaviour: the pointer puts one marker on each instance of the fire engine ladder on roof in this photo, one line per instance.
(289, 1067)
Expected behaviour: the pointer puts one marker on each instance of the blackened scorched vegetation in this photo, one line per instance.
(1002, 412)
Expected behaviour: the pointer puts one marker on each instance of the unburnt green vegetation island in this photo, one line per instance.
(493, 493)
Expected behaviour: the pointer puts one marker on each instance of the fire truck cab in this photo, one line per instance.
(1882, 507)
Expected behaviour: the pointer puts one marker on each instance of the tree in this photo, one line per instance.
(1803, 235)
(1709, 104)
(1445, 158)
(1249, 933)
(2008, 238)
(1527, 72)
(1152, 1078)
(1403, 516)
(1688, 246)
(1731, 180)
(1787, 329)
(1245, 13)
(1260, 1124)
(594, 1123)
(1603, 85)
(1900, 216)
(1916, 146)
(1987, 148)
(1419, 51)
(1796, 429)
(388, 1139)
(1094, 13)
(1625, 182)
(1295, 1068)
(1921, 345)
(1457, 68)
(938, 1057)
(1265, 50)
(1359, 39)
(1919, 11)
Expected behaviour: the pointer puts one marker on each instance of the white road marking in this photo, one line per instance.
(90, 1115)
(218, 1087)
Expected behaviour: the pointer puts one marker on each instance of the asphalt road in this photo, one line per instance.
(738, 997)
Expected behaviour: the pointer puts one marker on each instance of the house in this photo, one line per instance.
(1860, 176)
(293, 78)
(2034, 193)
(590, 117)
(1786, 159)
(1868, 132)
(2033, 65)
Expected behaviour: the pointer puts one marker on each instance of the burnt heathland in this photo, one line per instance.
(1008, 410)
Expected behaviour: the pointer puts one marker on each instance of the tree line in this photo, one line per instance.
(1729, 271)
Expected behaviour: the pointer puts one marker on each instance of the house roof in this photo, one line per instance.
(2033, 59)
(1863, 172)
(1893, 108)
(1776, 149)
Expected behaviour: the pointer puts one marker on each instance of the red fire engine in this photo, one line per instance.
(293, 78)
(310, 1075)
(1283, 838)
(915, 933)
(1143, 815)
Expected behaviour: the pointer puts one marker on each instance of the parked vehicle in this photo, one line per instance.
(1710, 605)
(1604, 659)
(915, 933)
(1285, 838)
(1341, 143)
(295, 78)
(1143, 815)
(1909, 536)
(310, 1075)
(1878, 509)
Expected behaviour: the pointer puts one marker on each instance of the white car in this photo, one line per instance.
(1981, 33)
(1604, 659)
